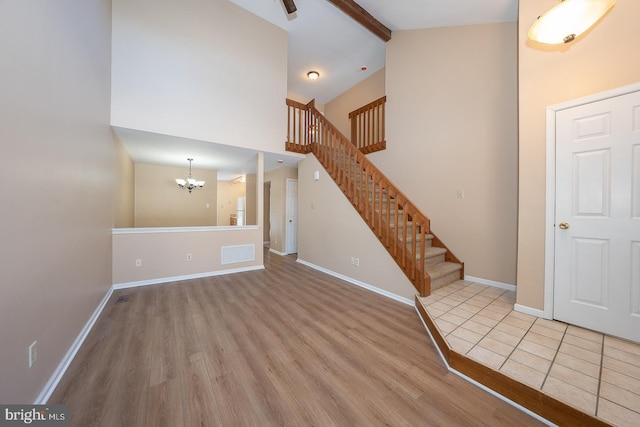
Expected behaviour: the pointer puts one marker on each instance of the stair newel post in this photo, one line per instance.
(354, 129)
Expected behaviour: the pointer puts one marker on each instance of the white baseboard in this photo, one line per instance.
(505, 286)
(359, 283)
(528, 310)
(185, 277)
(51, 385)
(277, 252)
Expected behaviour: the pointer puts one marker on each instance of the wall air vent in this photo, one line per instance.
(238, 253)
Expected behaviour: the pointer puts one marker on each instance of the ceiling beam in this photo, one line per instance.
(290, 6)
(364, 18)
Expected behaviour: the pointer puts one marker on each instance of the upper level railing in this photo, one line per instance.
(367, 126)
(394, 219)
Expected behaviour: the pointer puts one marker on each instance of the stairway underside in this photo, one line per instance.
(394, 223)
(397, 222)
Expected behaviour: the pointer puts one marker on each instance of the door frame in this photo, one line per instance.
(550, 228)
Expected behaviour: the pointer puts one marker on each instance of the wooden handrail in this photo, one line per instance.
(393, 218)
(367, 126)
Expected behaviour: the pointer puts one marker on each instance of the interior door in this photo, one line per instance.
(597, 218)
(292, 216)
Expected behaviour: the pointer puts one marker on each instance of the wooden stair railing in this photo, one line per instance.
(395, 220)
(367, 126)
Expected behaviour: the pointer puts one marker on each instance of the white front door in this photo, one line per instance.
(597, 217)
(292, 216)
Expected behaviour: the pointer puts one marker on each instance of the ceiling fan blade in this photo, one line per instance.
(290, 6)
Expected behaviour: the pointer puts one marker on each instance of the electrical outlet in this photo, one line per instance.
(355, 261)
(139, 262)
(33, 353)
(460, 194)
(189, 257)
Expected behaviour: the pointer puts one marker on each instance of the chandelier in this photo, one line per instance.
(190, 183)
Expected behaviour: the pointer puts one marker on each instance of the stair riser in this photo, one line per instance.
(434, 260)
(445, 280)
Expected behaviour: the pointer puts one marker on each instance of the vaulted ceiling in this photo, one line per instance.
(324, 38)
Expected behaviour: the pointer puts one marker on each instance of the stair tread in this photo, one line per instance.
(442, 269)
(429, 251)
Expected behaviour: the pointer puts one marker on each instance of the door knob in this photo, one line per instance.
(564, 225)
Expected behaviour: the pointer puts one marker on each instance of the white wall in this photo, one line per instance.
(200, 69)
(58, 166)
(452, 125)
(159, 202)
(331, 232)
(337, 110)
(163, 252)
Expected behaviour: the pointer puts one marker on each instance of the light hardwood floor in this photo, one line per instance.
(284, 346)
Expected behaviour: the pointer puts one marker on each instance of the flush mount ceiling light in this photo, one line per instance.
(567, 20)
(190, 183)
(313, 75)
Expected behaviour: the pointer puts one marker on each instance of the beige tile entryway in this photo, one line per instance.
(596, 373)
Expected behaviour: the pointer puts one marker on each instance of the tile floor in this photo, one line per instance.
(595, 373)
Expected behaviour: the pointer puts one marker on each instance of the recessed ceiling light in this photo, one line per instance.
(313, 75)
